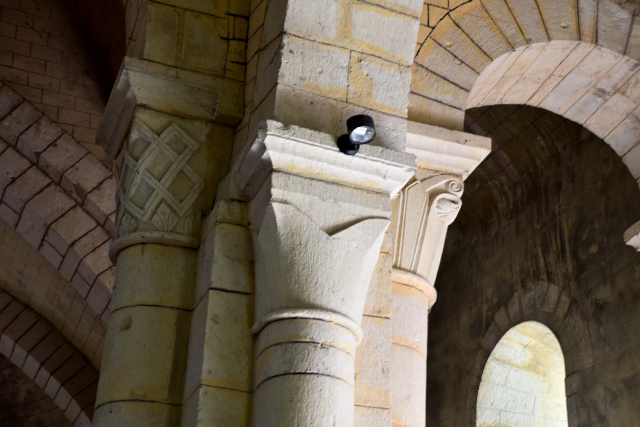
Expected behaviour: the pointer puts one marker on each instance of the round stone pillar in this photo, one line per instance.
(318, 219)
(305, 369)
(145, 351)
(160, 172)
(412, 299)
(422, 213)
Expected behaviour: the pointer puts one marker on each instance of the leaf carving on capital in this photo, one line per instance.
(164, 219)
(160, 181)
(312, 267)
(128, 225)
(423, 210)
(191, 224)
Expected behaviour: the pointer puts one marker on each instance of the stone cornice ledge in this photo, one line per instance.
(444, 150)
(311, 154)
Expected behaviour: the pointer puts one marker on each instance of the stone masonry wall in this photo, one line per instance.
(314, 64)
(47, 57)
(539, 237)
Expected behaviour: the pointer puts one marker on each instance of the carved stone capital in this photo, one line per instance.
(318, 218)
(420, 284)
(160, 182)
(423, 211)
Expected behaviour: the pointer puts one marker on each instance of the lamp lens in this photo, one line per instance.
(362, 135)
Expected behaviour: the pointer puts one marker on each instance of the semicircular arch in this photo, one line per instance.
(27, 276)
(35, 347)
(549, 305)
(58, 196)
(589, 85)
(523, 382)
(457, 43)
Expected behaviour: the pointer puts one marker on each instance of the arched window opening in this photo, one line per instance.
(522, 383)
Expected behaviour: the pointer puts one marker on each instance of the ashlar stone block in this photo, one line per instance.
(18, 121)
(316, 20)
(213, 407)
(169, 270)
(37, 138)
(133, 327)
(379, 84)
(221, 347)
(162, 33)
(203, 47)
(24, 188)
(366, 21)
(49, 205)
(373, 364)
(60, 156)
(12, 164)
(319, 68)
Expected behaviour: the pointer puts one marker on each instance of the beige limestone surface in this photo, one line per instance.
(523, 381)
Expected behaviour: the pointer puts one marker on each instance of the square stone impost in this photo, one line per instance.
(318, 218)
(182, 93)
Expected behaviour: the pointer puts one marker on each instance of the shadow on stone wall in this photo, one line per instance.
(539, 237)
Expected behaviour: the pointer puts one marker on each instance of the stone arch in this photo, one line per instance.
(589, 85)
(551, 306)
(34, 346)
(31, 279)
(523, 382)
(459, 41)
(58, 196)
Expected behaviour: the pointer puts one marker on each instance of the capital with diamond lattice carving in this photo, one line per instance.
(160, 181)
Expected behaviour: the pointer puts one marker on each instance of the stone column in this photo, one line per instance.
(318, 218)
(422, 213)
(424, 210)
(170, 157)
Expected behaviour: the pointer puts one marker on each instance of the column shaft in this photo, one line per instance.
(304, 371)
(142, 374)
(421, 217)
(412, 298)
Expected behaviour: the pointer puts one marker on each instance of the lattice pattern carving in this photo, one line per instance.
(160, 179)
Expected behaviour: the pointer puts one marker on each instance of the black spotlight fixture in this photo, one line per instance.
(361, 130)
